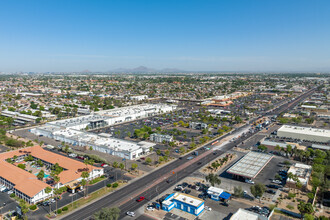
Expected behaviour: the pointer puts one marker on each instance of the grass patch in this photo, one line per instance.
(96, 180)
(92, 196)
(290, 207)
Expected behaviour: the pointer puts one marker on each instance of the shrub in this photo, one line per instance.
(114, 185)
(109, 185)
(290, 207)
(59, 211)
(291, 195)
(33, 207)
(12, 195)
(65, 208)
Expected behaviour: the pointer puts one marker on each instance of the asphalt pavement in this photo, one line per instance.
(126, 196)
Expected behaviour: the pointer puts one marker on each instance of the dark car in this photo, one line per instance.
(187, 191)
(225, 204)
(169, 180)
(274, 186)
(270, 191)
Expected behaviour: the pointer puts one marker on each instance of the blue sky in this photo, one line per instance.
(219, 35)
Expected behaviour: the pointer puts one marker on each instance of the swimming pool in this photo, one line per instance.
(45, 175)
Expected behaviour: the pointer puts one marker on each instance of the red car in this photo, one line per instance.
(141, 198)
(104, 165)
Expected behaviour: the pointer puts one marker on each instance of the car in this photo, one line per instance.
(132, 214)
(225, 204)
(150, 208)
(207, 208)
(274, 186)
(140, 199)
(187, 191)
(6, 190)
(142, 158)
(184, 184)
(169, 180)
(277, 181)
(10, 192)
(104, 165)
(189, 158)
(270, 191)
(249, 181)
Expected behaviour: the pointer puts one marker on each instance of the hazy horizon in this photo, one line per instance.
(197, 36)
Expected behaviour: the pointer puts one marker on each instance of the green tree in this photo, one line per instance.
(258, 190)
(238, 191)
(41, 175)
(148, 160)
(213, 179)
(160, 159)
(115, 164)
(134, 166)
(107, 214)
(262, 147)
(305, 208)
(22, 166)
(121, 166)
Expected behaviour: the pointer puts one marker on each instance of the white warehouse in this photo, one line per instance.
(72, 131)
(303, 133)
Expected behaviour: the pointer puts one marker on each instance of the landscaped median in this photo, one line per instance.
(92, 196)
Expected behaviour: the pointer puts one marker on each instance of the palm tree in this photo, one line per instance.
(49, 190)
(85, 176)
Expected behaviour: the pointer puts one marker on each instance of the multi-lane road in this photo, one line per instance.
(156, 182)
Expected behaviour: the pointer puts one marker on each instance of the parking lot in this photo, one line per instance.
(6, 203)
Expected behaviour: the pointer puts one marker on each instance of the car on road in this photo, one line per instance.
(140, 199)
(132, 214)
(189, 158)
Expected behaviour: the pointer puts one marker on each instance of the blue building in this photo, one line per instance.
(184, 202)
(218, 194)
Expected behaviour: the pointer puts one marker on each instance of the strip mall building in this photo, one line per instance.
(25, 184)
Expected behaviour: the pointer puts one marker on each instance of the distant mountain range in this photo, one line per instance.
(143, 69)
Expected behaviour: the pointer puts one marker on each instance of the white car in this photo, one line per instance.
(207, 208)
(276, 181)
(10, 192)
(132, 214)
(150, 208)
(249, 181)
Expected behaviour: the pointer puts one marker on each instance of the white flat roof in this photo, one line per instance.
(305, 130)
(191, 200)
(243, 214)
(250, 165)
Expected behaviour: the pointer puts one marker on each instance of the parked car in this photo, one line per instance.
(249, 181)
(150, 208)
(277, 181)
(274, 186)
(10, 192)
(207, 208)
(270, 191)
(104, 165)
(140, 199)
